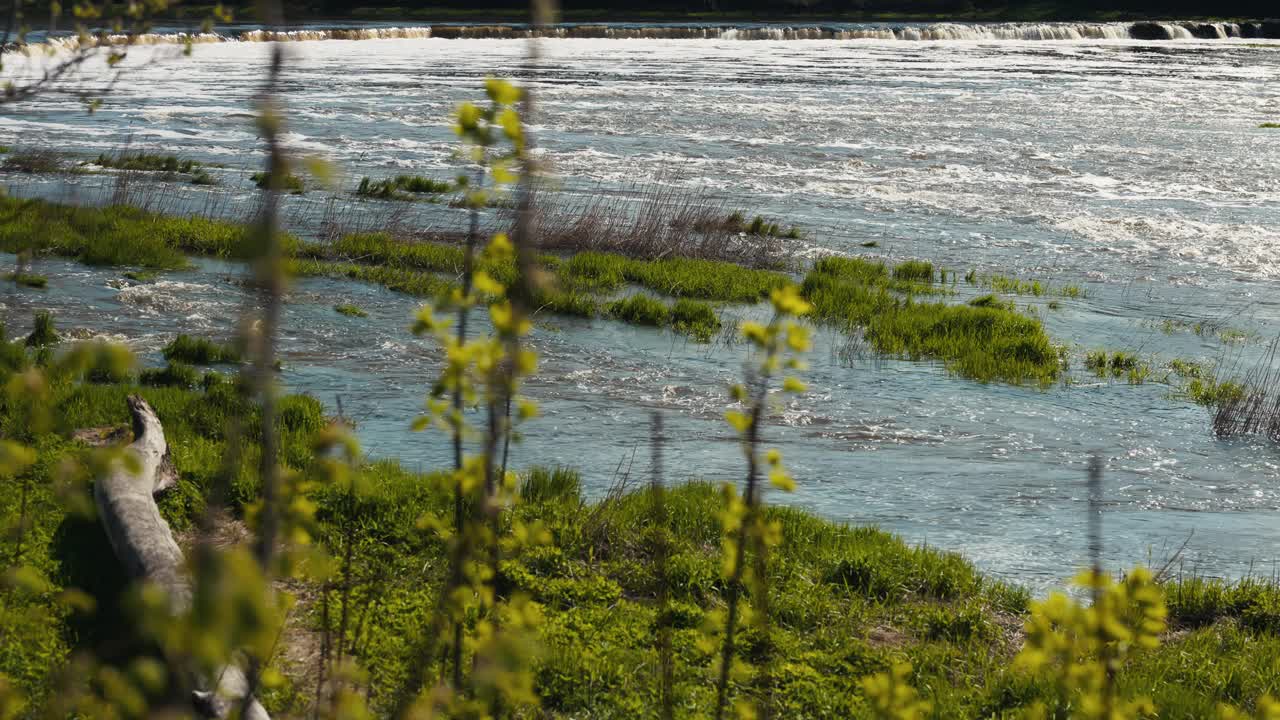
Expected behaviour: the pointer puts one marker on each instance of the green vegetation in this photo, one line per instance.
(1212, 393)
(403, 187)
(983, 343)
(846, 602)
(199, 351)
(34, 161)
(42, 330)
(117, 235)
(1208, 329)
(1270, 125)
(677, 277)
(870, 244)
(641, 310)
(1016, 286)
(914, 271)
(690, 317)
(147, 162)
(1117, 364)
(175, 374)
(350, 311)
(290, 183)
(27, 279)
(737, 222)
(992, 301)
(142, 276)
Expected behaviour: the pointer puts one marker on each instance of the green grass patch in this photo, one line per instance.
(984, 343)
(30, 280)
(1118, 364)
(350, 311)
(1213, 393)
(175, 374)
(1270, 125)
(43, 332)
(199, 351)
(760, 226)
(403, 187)
(690, 317)
(148, 162)
(119, 235)
(677, 277)
(641, 310)
(914, 271)
(290, 183)
(142, 276)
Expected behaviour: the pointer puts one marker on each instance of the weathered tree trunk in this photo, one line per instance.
(145, 545)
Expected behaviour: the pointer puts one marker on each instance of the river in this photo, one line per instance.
(1136, 169)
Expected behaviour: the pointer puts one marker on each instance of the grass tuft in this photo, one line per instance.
(290, 183)
(42, 331)
(350, 311)
(199, 351)
(30, 280)
(403, 187)
(543, 485)
(175, 374)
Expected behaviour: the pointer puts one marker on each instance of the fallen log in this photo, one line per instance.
(145, 545)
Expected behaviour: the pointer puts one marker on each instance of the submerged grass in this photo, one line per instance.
(985, 342)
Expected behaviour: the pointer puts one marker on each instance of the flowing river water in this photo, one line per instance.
(1136, 169)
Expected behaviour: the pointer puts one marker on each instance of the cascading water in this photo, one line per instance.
(910, 32)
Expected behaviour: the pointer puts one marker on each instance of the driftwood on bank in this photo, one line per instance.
(145, 545)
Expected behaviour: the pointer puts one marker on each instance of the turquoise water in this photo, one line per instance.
(1135, 169)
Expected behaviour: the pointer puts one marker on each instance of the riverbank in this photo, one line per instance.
(845, 602)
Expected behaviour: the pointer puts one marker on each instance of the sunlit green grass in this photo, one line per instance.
(985, 343)
(677, 277)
